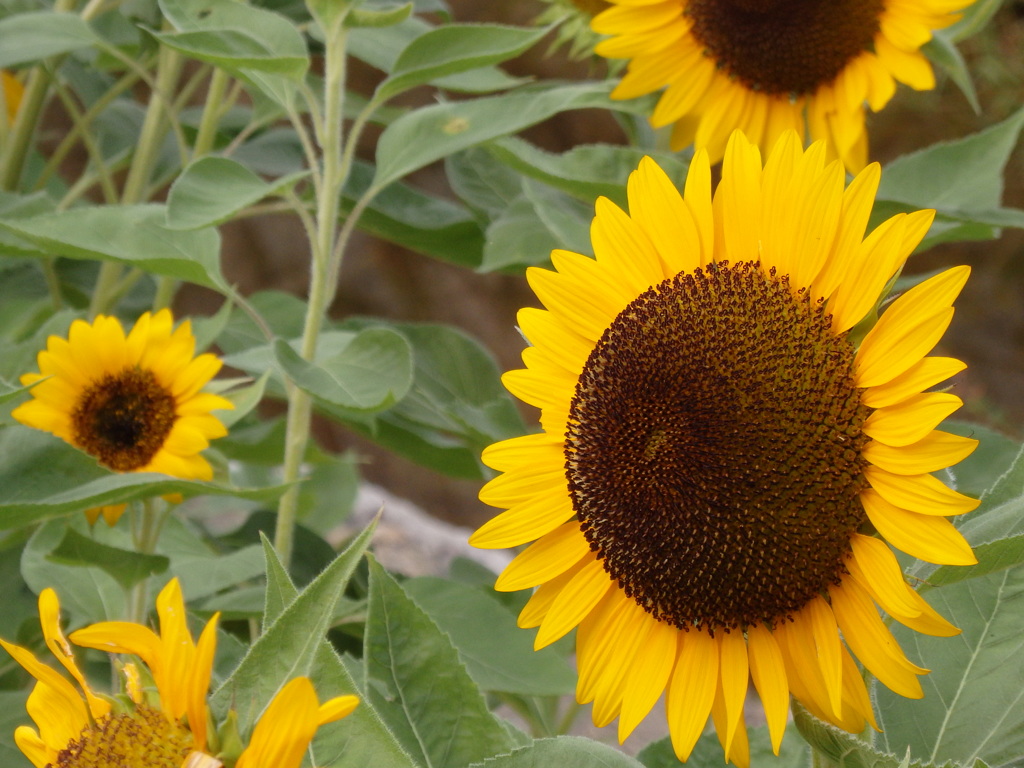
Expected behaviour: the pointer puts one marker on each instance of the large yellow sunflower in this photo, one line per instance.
(165, 725)
(134, 402)
(763, 66)
(721, 462)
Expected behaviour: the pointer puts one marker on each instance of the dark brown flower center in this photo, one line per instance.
(142, 738)
(123, 419)
(713, 449)
(784, 47)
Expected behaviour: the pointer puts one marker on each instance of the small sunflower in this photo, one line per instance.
(133, 402)
(763, 65)
(721, 462)
(13, 92)
(164, 724)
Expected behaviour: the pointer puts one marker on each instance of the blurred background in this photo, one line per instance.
(388, 281)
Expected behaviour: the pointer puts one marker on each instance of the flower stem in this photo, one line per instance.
(322, 287)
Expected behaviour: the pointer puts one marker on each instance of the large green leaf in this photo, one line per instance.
(497, 654)
(289, 645)
(454, 48)
(973, 705)
(455, 408)
(380, 47)
(844, 750)
(419, 685)
(371, 371)
(126, 566)
(135, 235)
(42, 476)
(419, 138)
(28, 37)
(212, 189)
(236, 36)
(361, 739)
(962, 180)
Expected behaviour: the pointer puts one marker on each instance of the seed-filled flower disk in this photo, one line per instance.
(134, 402)
(720, 466)
(165, 723)
(761, 65)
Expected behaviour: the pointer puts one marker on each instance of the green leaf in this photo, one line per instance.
(497, 654)
(372, 371)
(707, 753)
(419, 138)
(127, 567)
(973, 705)
(484, 183)
(941, 50)
(245, 400)
(42, 476)
(213, 189)
(564, 752)
(288, 646)
(135, 235)
(404, 215)
(362, 738)
(586, 172)
(455, 408)
(86, 594)
(33, 36)
(842, 749)
(237, 37)
(366, 17)
(454, 48)
(381, 47)
(419, 685)
(12, 715)
(975, 17)
(962, 179)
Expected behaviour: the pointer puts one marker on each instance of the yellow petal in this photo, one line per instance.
(286, 728)
(936, 451)
(826, 642)
(691, 690)
(548, 557)
(656, 205)
(575, 601)
(768, 671)
(540, 602)
(923, 494)
(923, 374)
(527, 449)
(928, 537)
(910, 420)
(649, 675)
(337, 708)
(733, 680)
(523, 522)
(875, 567)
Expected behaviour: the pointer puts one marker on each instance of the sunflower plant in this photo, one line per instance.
(744, 500)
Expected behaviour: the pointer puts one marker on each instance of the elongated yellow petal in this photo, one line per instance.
(919, 377)
(928, 537)
(549, 556)
(540, 602)
(909, 421)
(523, 522)
(691, 690)
(528, 449)
(575, 601)
(933, 452)
(283, 733)
(649, 675)
(733, 680)
(656, 205)
(875, 567)
(924, 494)
(768, 671)
(826, 642)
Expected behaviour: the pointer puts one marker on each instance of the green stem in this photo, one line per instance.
(19, 140)
(154, 127)
(146, 524)
(212, 111)
(321, 290)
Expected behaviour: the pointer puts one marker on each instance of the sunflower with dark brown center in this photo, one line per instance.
(133, 401)
(764, 65)
(721, 465)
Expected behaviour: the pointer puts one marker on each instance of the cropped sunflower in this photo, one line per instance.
(165, 722)
(721, 462)
(133, 402)
(13, 91)
(764, 66)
